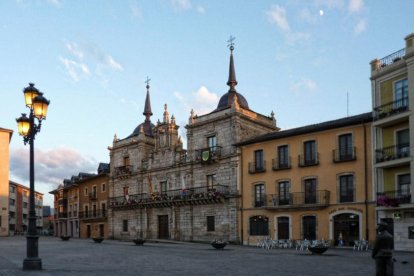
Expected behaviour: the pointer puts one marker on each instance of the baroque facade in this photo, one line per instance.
(158, 189)
(392, 79)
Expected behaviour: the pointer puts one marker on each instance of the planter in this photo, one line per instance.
(139, 241)
(218, 245)
(317, 249)
(65, 238)
(98, 240)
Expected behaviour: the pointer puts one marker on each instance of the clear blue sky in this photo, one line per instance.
(90, 58)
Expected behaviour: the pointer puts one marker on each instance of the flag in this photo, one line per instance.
(182, 182)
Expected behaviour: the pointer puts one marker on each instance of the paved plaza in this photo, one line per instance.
(84, 257)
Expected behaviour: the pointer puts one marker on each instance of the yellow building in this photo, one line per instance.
(5, 137)
(392, 79)
(312, 182)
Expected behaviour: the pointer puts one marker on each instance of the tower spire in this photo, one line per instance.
(147, 108)
(232, 82)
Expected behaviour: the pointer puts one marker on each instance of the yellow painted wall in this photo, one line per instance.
(326, 172)
(390, 177)
(4, 181)
(387, 89)
(388, 133)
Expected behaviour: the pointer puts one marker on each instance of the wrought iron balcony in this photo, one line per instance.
(260, 201)
(257, 167)
(299, 200)
(392, 153)
(177, 197)
(62, 215)
(305, 161)
(208, 155)
(280, 164)
(393, 198)
(390, 109)
(123, 171)
(93, 214)
(343, 155)
(392, 58)
(93, 196)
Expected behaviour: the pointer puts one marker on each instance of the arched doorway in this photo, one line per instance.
(346, 225)
(283, 228)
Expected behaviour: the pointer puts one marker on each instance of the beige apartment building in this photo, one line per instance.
(392, 82)
(5, 137)
(311, 182)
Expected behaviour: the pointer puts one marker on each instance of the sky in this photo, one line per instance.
(305, 60)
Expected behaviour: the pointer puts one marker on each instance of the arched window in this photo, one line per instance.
(259, 226)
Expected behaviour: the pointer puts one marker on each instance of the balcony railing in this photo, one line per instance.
(305, 161)
(93, 196)
(177, 197)
(123, 171)
(93, 214)
(62, 215)
(280, 164)
(299, 199)
(391, 108)
(260, 201)
(343, 155)
(394, 57)
(208, 155)
(257, 167)
(393, 198)
(392, 153)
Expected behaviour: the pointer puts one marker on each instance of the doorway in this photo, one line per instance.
(283, 228)
(309, 227)
(346, 226)
(163, 232)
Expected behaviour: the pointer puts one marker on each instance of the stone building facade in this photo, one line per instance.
(158, 189)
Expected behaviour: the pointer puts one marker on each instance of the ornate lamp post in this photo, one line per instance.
(28, 129)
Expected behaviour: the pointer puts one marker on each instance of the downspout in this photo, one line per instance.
(366, 181)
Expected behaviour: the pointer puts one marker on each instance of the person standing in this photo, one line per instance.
(382, 251)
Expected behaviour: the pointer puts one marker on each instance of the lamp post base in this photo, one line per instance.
(32, 264)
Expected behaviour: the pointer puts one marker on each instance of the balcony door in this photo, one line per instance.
(403, 143)
(310, 190)
(259, 195)
(404, 183)
(309, 227)
(163, 232)
(258, 161)
(345, 147)
(309, 152)
(401, 94)
(284, 195)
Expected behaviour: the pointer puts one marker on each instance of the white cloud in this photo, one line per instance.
(331, 4)
(304, 84)
(114, 64)
(182, 5)
(52, 166)
(75, 69)
(55, 3)
(277, 15)
(355, 6)
(202, 101)
(74, 49)
(136, 11)
(201, 9)
(360, 27)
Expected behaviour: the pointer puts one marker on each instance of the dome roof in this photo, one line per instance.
(147, 129)
(227, 99)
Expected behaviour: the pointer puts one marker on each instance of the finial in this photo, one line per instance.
(166, 114)
(147, 82)
(231, 43)
(173, 120)
(272, 114)
(115, 137)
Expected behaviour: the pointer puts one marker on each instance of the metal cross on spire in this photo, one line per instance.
(147, 82)
(231, 43)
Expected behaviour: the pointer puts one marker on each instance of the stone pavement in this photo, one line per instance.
(84, 257)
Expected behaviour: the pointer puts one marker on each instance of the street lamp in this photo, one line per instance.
(28, 129)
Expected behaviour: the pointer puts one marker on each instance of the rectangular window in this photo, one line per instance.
(12, 202)
(401, 94)
(126, 161)
(259, 195)
(210, 224)
(403, 143)
(212, 142)
(163, 186)
(258, 161)
(125, 225)
(85, 191)
(94, 191)
(310, 153)
(12, 189)
(103, 187)
(283, 157)
(345, 147)
(346, 188)
(125, 191)
(403, 184)
(259, 226)
(310, 191)
(211, 180)
(86, 211)
(103, 209)
(284, 194)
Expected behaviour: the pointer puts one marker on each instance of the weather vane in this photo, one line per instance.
(148, 81)
(231, 43)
